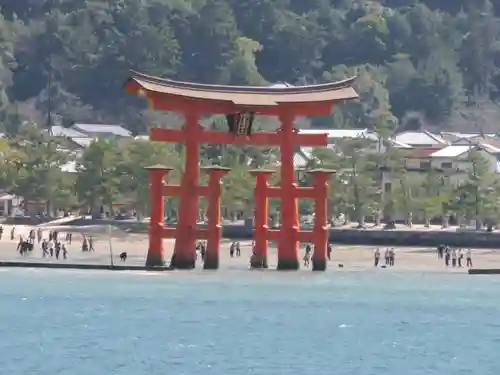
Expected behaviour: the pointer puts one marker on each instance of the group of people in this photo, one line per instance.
(389, 256)
(201, 248)
(87, 243)
(235, 248)
(51, 246)
(455, 257)
(309, 251)
(12, 233)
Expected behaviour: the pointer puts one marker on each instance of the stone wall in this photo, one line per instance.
(338, 236)
(395, 237)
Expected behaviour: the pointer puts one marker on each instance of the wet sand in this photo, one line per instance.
(136, 245)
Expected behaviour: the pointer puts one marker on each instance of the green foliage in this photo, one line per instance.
(107, 175)
(412, 56)
(38, 174)
(98, 181)
(477, 196)
(418, 62)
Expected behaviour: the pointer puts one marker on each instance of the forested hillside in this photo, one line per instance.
(419, 62)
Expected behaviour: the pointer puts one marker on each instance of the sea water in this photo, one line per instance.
(242, 322)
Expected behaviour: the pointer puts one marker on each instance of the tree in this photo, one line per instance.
(243, 69)
(476, 197)
(393, 166)
(433, 195)
(132, 173)
(238, 187)
(10, 163)
(7, 63)
(39, 160)
(360, 172)
(418, 63)
(404, 194)
(411, 55)
(98, 182)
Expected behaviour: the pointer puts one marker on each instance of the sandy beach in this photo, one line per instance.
(136, 245)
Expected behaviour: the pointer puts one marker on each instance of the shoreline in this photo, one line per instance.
(333, 268)
(353, 257)
(81, 266)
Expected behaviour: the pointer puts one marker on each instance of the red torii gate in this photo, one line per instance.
(195, 100)
(318, 236)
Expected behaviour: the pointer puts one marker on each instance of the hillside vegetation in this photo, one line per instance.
(429, 62)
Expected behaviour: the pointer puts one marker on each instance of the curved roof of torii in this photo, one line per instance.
(244, 95)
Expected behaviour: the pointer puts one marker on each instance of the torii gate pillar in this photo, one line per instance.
(184, 256)
(261, 217)
(215, 173)
(288, 247)
(321, 227)
(155, 257)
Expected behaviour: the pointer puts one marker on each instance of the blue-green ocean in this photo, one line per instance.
(242, 322)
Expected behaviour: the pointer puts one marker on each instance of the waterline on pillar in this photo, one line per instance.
(258, 262)
(155, 260)
(181, 263)
(288, 265)
(211, 263)
(319, 264)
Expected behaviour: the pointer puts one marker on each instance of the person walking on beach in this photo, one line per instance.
(238, 249)
(69, 236)
(460, 258)
(454, 258)
(20, 245)
(329, 251)
(376, 257)
(447, 256)
(203, 251)
(13, 233)
(392, 256)
(386, 256)
(58, 249)
(39, 235)
(231, 250)
(64, 251)
(468, 256)
(307, 259)
(440, 251)
(308, 248)
(85, 245)
(45, 248)
(1, 232)
(91, 243)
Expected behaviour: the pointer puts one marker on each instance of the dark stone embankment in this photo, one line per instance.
(80, 266)
(399, 238)
(344, 236)
(484, 271)
(416, 238)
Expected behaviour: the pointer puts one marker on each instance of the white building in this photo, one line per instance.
(102, 131)
(10, 205)
(421, 139)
